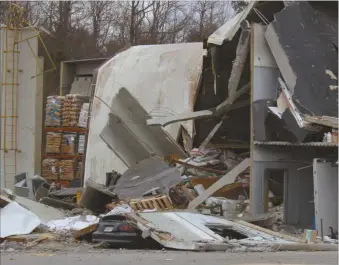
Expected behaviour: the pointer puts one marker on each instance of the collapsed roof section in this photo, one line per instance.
(294, 53)
(303, 48)
(163, 78)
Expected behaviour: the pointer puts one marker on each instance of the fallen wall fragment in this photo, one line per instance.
(16, 220)
(44, 212)
(128, 135)
(192, 231)
(96, 196)
(148, 174)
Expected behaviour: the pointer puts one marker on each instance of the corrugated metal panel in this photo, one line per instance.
(187, 230)
(229, 29)
(160, 77)
(311, 144)
(100, 60)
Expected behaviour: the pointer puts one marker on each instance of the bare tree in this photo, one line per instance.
(206, 17)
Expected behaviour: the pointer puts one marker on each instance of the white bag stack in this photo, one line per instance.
(83, 117)
(81, 144)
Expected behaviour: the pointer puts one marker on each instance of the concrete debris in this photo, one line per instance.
(96, 196)
(135, 141)
(16, 220)
(27, 186)
(44, 212)
(225, 180)
(144, 176)
(74, 223)
(191, 231)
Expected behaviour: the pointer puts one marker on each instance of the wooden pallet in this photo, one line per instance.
(158, 203)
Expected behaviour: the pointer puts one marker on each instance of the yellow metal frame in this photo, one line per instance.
(15, 23)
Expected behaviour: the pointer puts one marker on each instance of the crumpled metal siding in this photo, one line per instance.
(159, 76)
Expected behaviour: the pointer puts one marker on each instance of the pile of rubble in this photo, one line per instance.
(197, 199)
(179, 206)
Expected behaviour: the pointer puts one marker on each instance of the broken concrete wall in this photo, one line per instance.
(298, 186)
(325, 195)
(163, 78)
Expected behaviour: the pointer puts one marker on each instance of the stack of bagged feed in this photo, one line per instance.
(54, 106)
(81, 144)
(83, 115)
(67, 169)
(71, 109)
(68, 144)
(53, 142)
(50, 169)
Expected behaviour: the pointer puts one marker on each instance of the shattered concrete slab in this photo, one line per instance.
(96, 196)
(44, 212)
(128, 135)
(192, 231)
(148, 174)
(16, 220)
(303, 50)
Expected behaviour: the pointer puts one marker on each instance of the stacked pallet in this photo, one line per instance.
(159, 203)
(67, 169)
(53, 142)
(50, 169)
(54, 106)
(71, 110)
(68, 144)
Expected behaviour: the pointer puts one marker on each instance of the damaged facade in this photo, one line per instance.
(293, 101)
(210, 146)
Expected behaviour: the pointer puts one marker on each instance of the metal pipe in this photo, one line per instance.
(321, 229)
(200, 168)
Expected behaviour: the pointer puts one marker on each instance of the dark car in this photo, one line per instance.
(118, 231)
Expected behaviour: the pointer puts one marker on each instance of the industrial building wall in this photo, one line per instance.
(28, 96)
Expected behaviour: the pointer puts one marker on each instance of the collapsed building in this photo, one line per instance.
(198, 146)
(268, 87)
(288, 55)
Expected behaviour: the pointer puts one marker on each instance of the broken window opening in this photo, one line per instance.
(274, 188)
(227, 232)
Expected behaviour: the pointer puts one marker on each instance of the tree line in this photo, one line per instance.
(91, 29)
(85, 29)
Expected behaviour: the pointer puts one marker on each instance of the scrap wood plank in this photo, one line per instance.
(29, 237)
(323, 120)
(270, 232)
(223, 181)
(85, 231)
